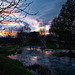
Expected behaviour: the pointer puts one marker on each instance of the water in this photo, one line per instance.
(57, 65)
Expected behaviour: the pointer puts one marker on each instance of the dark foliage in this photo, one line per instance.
(63, 26)
(42, 70)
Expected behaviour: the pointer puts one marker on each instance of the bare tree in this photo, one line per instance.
(14, 11)
(23, 35)
(43, 37)
(9, 9)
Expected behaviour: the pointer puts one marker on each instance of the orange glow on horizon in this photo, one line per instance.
(14, 33)
(6, 33)
(44, 33)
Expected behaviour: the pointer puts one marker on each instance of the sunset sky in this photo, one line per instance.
(47, 10)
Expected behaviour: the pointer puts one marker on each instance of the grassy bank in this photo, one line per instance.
(49, 45)
(7, 50)
(53, 46)
(11, 67)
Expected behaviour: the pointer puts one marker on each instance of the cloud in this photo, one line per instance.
(48, 9)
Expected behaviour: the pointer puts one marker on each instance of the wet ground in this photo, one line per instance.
(57, 65)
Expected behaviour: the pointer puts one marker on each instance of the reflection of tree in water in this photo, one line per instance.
(70, 61)
(42, 49)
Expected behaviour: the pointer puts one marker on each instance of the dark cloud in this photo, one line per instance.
(48, 9)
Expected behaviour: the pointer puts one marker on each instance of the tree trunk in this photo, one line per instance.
(70, 39)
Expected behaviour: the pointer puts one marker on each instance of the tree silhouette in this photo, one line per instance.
(9, 9)
(23, 35)
(42, 37)
(67, 15)
(14, 11)
(63, 25)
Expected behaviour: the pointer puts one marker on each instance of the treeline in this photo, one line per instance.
(21, 38)
(9, 41)
(63, 26)
(26, 38)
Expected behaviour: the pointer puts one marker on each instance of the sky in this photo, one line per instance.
(47, 10)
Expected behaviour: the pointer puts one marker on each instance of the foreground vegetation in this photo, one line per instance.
(14, 67)
(9, 66)
(10, 49)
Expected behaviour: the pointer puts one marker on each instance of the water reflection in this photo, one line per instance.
(44, 57)
(13, 56)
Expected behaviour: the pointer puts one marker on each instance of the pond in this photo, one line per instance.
(57, 65)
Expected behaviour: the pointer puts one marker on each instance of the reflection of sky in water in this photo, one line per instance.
(13, 56)
(56, 64)
(32, 56)
(34, 59)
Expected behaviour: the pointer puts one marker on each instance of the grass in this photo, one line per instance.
(53, 46)
(11, 67)
(33, 43)
(7, 50)
(50, 45)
